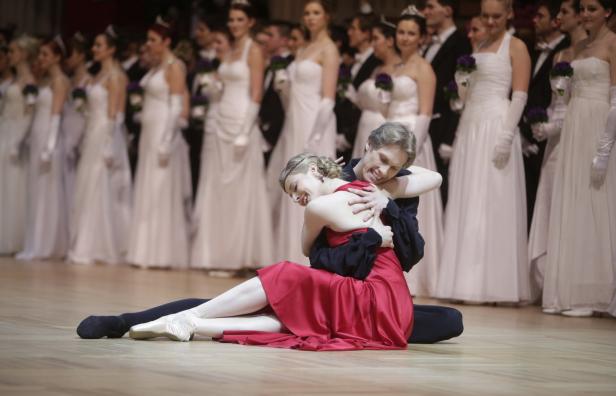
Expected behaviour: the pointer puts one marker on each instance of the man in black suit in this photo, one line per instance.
(447, 45)
(347, 114)
(549, 42)
(271, 113)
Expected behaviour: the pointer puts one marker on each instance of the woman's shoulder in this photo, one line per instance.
(517, 45)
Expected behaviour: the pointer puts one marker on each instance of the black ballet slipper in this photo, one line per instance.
(94, 327)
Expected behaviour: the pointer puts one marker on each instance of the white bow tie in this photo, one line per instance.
(436, 40)
(543, 47)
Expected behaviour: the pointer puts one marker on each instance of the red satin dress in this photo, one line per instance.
(323, 311)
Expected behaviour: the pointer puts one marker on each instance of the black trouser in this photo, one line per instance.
(432, 323)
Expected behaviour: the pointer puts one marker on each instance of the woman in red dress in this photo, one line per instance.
(292, 306)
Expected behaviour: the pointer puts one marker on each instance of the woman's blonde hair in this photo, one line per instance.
(29, 45)
(301, 162)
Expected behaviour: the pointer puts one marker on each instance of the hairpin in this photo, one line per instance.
(58, 40)
(365, 8)
(79, 37)
(385, 22)
(160, 21)
(413, 11)
(111, 31)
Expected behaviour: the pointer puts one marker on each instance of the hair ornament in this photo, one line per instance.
(412, 11)
(385, 22)
(160, 21)
(241, 2)
(58, 40)
(110, 31)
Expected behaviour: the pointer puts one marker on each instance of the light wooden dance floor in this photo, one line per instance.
(503, 351)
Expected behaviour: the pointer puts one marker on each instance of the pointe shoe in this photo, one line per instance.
(174, 327)
(578, 312)
(551, 311)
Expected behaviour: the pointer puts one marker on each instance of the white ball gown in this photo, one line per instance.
(14, 125)
(304, 98)
(485, 252)
(101, 215)
(581, 256)
(232, 213)
(371, 117)
(404, 108)
(47, 211)
(159, 230)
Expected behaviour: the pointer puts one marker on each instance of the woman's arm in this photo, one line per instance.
(330, 62)
(420, 181)
(256, 64)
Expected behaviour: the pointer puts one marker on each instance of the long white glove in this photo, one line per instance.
(282, 85)
(171, 128)
(52, 139)
(422, 125)
(325, 114)
(502, 149)
(250, 119)
(604, 145)
(545, 130)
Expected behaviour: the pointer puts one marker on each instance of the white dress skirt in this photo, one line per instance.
(484, 257)
(101, 214)
(304, 98)
(232, 214)
(15, 120)
(404, 108)
(581, 251)
(371, 117)
(47, 212)
(159, 230)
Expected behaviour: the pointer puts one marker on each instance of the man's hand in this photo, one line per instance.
(370, 200)
(386, 234)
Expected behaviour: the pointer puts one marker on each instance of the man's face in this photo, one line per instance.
(275, 41)
(544, 24)
(356, 35)
(382, 164)
(435, 13)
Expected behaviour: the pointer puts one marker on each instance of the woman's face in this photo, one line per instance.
(74, 61)
(408, 36)
(222, 46)
(568, 17)
(239, 23)
(304, 187)
(315, 17)
(16, 54)
(46, 58)
(101, 49)
(381, 44)
(494, 16)
(156, 44)
(296, 41)
(476, 32)
(593, 15)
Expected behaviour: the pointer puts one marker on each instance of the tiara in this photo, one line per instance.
(58, 40)
(160, 21)
(413, 11)
(241, 2)
(385, 22)
(79, 37)
(111, 31)
(365, 8)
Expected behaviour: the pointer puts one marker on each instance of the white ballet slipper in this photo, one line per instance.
(551, 311)
(175, 327)
(578, 312)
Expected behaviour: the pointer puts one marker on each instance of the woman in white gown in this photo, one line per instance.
(233, 217)
(73, 116)
(15, 119)
(414, 84)
(485, 251)
(159, 230)
(550, 131)
(47, 212)
(581, 258)
(101, 215)
(369, 98)
(310, 124)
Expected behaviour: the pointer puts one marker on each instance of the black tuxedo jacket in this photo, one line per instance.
(271, 112)
(347, 114)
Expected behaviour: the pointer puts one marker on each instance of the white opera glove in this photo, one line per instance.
(351, 94)
(342, 144)
(52, 139)
(325, 114)
(282, 85)
(250, 119)
(558, 108)
(110, 128)
(422, 125)
(502, 149)
(445, 151)
(213, 91)
(171, 129)
(604, 145)
(463, 81)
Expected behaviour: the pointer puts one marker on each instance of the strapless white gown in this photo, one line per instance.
(581, 258)
(304, 98)
(404, 108)
(485, 251)
(14, 124)
(371, 117)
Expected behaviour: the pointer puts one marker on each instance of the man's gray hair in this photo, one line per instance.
(394, 133)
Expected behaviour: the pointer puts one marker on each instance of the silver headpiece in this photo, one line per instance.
(60, 42)
(412, 10)
(385, 22)
(111, 31)
(79, 37)
(241, 2)
(160, 21)
(365, 8)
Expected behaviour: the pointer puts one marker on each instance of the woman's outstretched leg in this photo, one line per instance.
(182, 328)
(116, 326)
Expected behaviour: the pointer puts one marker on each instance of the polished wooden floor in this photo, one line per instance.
(503, 351)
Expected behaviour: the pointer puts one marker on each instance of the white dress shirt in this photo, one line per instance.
(437, 43)
(545, 52)
(360, 59)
